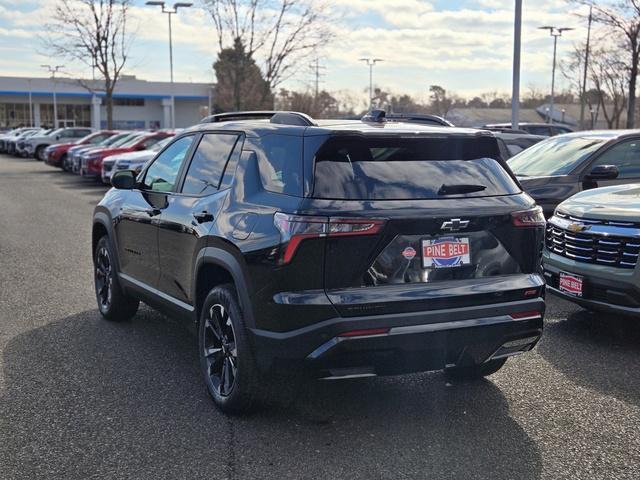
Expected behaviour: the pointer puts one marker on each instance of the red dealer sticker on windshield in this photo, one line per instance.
(446, 252)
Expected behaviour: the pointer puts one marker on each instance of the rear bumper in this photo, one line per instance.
(411, 342)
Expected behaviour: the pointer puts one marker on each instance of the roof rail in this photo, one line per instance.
(252, 115)
(278, 117)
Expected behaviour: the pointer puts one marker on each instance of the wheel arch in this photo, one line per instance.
(102, 226)
(215, 266)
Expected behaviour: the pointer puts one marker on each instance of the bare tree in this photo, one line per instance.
(623, 18)
(280, 34)
(92, 32)
(607, 74)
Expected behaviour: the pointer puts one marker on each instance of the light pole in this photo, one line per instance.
(53, 71)
(169, 12)
(555, 32)
(515, 89)
(371, 62)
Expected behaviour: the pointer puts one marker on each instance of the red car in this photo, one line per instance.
(54, 155)
(92, 162)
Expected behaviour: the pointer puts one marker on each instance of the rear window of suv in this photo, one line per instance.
(398, 168)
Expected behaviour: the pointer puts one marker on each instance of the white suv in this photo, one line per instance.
(36, 145)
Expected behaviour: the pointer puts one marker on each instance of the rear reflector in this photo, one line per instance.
(365, 333)
(296, 228)
(523, 315)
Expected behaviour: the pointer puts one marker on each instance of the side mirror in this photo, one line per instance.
(604, 172)
(140, 147)
(57, 137)
(124, 180)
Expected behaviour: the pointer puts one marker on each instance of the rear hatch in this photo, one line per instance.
(441, 221)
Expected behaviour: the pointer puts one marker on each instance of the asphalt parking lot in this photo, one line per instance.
(83, 398)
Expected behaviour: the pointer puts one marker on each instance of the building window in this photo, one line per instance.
(128, 102)
(14, 115)
(69, 115)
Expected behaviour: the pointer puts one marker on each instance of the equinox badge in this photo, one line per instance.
(454, 225)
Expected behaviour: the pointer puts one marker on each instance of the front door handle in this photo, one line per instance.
(203, 216)
(152, 212)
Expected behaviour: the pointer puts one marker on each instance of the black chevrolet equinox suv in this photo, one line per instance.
(335, 249)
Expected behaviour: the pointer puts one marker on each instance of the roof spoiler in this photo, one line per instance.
(375, 116)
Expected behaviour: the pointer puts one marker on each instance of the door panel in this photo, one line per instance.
(137, 234)
(137, 226)
(190, 215)
(180, 236)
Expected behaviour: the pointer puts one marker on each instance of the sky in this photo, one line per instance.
(466, 46)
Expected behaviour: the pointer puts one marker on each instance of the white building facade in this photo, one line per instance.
(138, 104)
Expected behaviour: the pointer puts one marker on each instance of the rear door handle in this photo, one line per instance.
(204, 216)
(152, 212)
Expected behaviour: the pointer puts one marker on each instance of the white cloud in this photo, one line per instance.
(469, 47)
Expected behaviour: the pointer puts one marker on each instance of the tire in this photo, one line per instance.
(40, 153)
(475, 371)
(113, 303)
(226, 361)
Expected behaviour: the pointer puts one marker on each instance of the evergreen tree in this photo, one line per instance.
(239, 82)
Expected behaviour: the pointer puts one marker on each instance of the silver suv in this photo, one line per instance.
(37, 144)
(592, 249)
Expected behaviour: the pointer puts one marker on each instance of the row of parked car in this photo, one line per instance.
(94, 154)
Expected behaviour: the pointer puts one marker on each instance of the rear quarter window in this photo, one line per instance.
(280, 164)
(398, 168)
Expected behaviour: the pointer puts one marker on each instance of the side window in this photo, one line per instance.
(625, 156)
(280, 164)
(208, 164)
(539, 130)
(150, 142)
(162, 174)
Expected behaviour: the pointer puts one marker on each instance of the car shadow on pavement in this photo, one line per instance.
(86, 398)
(599, 351)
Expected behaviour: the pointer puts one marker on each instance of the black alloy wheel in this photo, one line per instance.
(226, 358)
(104, 279)
(220, 350)
(113, 303)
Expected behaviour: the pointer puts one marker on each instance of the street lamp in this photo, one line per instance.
(371, 62)
(169, 12)
(53, 71)
(555, 32)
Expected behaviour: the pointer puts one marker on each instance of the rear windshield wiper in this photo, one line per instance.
(458, 189)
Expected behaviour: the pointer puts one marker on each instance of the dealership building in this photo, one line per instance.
(138, 104)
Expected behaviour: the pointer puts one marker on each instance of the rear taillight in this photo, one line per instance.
(529, 218)
(296, 228)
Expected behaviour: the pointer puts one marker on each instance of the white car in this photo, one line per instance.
(130, 161)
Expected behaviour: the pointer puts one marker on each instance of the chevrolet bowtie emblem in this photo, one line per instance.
(454, 225)
(577, 227)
